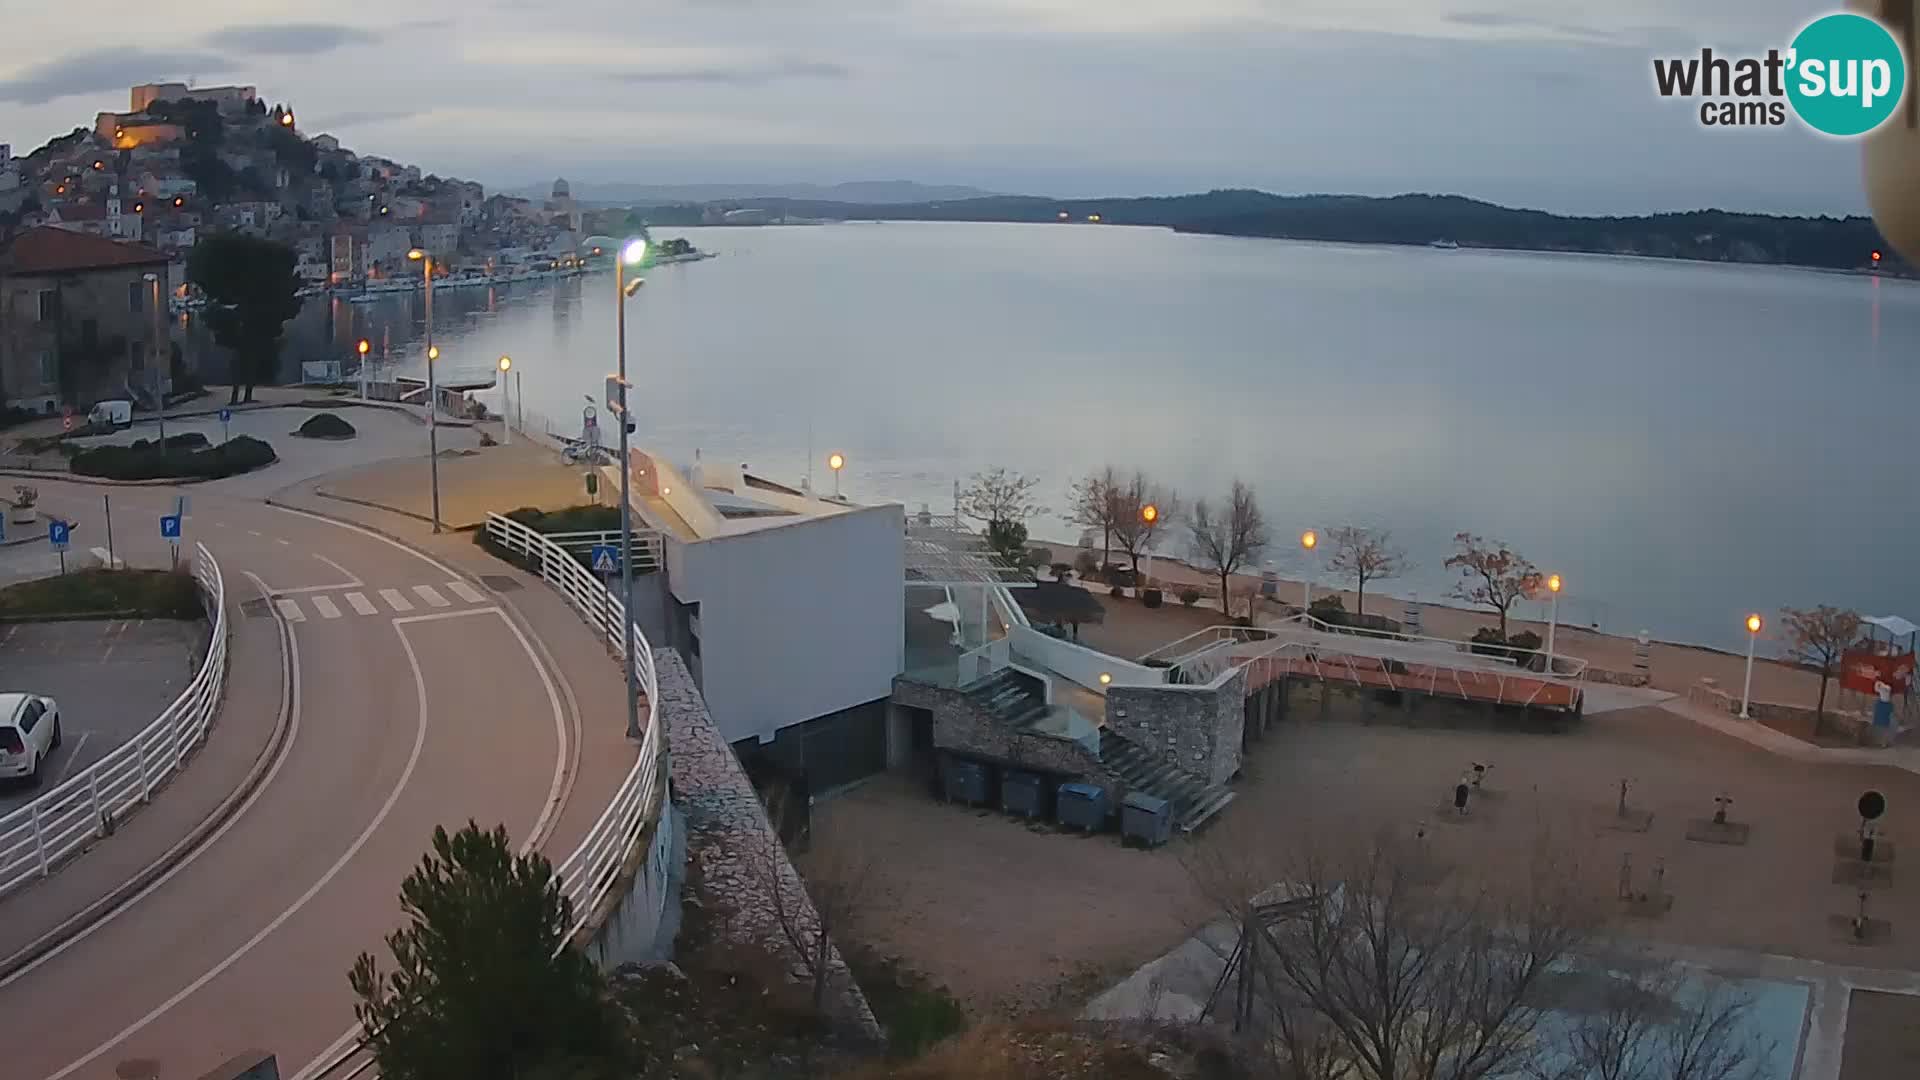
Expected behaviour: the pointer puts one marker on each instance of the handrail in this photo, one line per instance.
(91, 803)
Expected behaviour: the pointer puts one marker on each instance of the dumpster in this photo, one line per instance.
(1146, 819)
(1023, 793)
(966, 781)
(1082, 806)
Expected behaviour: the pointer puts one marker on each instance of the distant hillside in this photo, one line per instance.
(1711, 235)
(874, 192)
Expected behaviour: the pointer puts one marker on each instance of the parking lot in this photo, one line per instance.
(111, 678)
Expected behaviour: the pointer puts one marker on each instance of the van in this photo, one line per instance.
(111, 415)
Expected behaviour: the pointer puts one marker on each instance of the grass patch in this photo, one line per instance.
(146, 594)
(147, 460)
(914, 1011)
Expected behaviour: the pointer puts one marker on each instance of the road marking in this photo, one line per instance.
(395, 600)
(431, 596)
(393, 797)
(253, 532)
(73, 755)
(283, 543)
(326, 608)
(344, 572)
(466, 592)
(290, 610)
(361, 604)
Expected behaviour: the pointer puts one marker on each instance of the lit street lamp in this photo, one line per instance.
(506, 418)
(836, 463)
(1746, 691)
(362, 349)
(1308, 541)
(433, 390)
(1553, 616)
(1148, 515)
(631, 253)
(158, 358)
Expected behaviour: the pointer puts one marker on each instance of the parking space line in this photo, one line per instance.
(253, 532)
(465, 592)
(344, 572)
(73, 755)
(432, 596)
(290, 610)
(362, 605)
(326, 608)
(282, 543)
(395, 600)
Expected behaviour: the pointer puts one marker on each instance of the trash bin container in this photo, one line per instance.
(1146, 819)
(1023, 793)
(966, 781)
(1082, 806)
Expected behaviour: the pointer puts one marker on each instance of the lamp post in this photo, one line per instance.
(1148, 515)
(362, 348)
(836, 463)
(1553, 615)
(506, 418)
(630, 254)
(1308, 541)
(1746, 691)
(433, 391)
(159, 387)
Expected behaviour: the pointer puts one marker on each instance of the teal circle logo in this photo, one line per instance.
(1846, 74)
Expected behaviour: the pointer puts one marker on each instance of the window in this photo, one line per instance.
(10, 741)
(49, 305)
(30, 716)
(49, 374)
(136, 296)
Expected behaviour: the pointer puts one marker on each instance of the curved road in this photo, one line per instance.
(413, 699)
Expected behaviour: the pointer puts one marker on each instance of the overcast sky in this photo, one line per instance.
(1545, 103)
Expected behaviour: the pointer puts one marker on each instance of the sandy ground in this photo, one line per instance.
(1010, 916)
(1673, 667)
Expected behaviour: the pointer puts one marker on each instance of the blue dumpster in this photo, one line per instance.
(1082, 806)
(1146, 819)
(1023, 793)
(966, 781)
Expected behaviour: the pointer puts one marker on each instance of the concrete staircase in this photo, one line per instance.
(1191, 799)
(1011, 698)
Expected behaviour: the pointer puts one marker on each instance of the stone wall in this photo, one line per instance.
(1845, 723)
(1197, 729)
(961, 725)
(1616, 678)
(730, 839)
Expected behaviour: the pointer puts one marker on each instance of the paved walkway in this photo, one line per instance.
(473, 481)
(1757, 734)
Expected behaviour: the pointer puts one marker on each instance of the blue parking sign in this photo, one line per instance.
(226, 415)
(58, 533)
(605, 559)
(170, 527)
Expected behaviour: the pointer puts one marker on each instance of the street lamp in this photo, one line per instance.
(1308, 541)
(160, 388)
(363, 348)
(630, 254)
(433, 389)
(836, 463)
(1553, 615)
(1754, 624)
(506, 418)
(1148, 515)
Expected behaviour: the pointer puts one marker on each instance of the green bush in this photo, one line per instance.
(1328, 609)
(190, 440)
(1062, 571)
(146, 461)
(326, 426)
(1189, 596)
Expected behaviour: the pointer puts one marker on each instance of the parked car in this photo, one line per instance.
(29, 733)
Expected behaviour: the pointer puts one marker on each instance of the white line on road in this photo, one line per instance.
(326, 608)
(283, 543)
(344, 572)
(73, 755)
(465, 592)
(396, 601)
(253, 532)
(362, 605)
(290, 609)
(431, 595)
(393, 797)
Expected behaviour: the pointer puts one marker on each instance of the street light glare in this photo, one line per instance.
(1309, 539)
(835, 461)
(1149, 513)
(1553, 583)
(1105, 678)
(433, 352)
(1753, 624)
(506, 362)
(416, 255)
(364, 346)
(633, 251)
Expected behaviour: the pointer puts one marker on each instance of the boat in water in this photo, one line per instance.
(1445, 245)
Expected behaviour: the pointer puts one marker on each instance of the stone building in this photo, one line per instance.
(78, 321)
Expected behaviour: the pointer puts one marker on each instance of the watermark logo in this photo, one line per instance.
(1843, 75)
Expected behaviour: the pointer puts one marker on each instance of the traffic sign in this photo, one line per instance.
(226, 415)
(58, 533)
(170, 526)
(605, 559)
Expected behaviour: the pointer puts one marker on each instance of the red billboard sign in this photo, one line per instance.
(1861, 670)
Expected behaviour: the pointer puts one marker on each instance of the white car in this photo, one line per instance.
(29, 732)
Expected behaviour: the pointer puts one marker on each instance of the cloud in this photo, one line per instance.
(363, 119)
(102, 70)
(289, 38)
(744, 73)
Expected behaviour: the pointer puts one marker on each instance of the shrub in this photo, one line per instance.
(1037, 557)
(152, 594)
(1488, 642)
(1525, 639)
(1086, 565)
(1117, 590)
(146, 461)
(326, 426)
(1189, 596)
(189, 440)
(1008, 539)
(1119, 576)
(1150, 597)
(1328, 609)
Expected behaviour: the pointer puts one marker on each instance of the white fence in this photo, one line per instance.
(648, 551)
(89, 804)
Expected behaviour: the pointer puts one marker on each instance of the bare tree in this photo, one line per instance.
(999, 495)
(1227, 538)
(1365, 555)
(1132, 530)
(1820, 637)
(811, 913)
(1632, 1016)
(1093, 502)
(1491, 575)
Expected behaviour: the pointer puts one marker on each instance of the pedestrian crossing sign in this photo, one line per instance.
(604, 559)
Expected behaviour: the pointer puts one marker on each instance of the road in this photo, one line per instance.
(414, 698)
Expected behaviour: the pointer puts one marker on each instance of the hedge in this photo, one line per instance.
(149, 594)
(146, 460)
(326, 426)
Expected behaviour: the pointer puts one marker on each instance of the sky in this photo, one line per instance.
(1539, 103)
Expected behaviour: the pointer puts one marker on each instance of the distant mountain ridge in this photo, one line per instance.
(871, 192)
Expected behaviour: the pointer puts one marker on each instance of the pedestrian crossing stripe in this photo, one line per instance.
(395, 601)
(361, 605)
(431, 596)
(290, 610)
(466, 592)
(326, 607)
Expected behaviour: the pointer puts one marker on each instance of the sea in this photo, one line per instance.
(1683, 443)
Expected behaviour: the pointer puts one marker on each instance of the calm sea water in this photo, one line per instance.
(1683, 443)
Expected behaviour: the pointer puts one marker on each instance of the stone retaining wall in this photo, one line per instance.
(1855, 726)
(1198, 729)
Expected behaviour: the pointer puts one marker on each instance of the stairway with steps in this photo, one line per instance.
(1191, 799)
(1011, 697)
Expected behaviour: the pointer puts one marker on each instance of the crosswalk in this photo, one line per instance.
(294, 609)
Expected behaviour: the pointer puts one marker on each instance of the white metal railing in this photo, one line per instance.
(980, 664)
(92, 802)
(648, 550)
